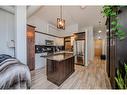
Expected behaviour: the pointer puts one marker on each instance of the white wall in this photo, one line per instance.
(6, 32)
(20, 34)
(41, 25)
(89, 49)
(90, 44)
(71, 29)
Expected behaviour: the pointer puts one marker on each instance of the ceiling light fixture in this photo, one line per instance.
(83, 7)
(60, 21)
(99, 37)
(99, 31)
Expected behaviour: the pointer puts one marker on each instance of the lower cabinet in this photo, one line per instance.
(59, 71)
(40, 62)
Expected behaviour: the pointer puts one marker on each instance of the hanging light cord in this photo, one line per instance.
(61, 12)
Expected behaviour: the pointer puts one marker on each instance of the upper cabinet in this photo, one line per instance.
(39, 39)
(79, 36)
(67, 43)
(72, 40)
(59, 42)
(69, 40)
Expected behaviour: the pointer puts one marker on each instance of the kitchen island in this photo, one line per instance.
(59, 67)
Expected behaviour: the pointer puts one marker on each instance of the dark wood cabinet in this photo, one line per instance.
(31, 47)
(79, 36)
(67, 40)
(59, 71)
(67, 43)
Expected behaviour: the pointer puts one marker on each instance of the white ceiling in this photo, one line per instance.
(84, 16)
(81, 15)
(96, 30)
(30, 9)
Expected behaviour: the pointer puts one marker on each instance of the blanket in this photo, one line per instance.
(13, 73)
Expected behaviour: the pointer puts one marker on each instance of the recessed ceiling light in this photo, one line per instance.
(99, 37)
(83, 7)
(99, 31)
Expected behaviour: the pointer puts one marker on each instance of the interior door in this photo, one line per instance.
(98, 48)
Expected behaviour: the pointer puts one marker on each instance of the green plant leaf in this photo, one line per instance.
(119, 26)
(113, 14)
(114, 23)
(120, 31)
(125, 67)
(113, 29)
(125, 78)
(122, 38)
(119, 80)
(109, 11)
(119, 83)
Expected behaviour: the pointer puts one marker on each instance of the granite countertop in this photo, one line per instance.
(60, 56)
(45, 56)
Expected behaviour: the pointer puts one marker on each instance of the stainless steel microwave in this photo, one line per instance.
(49, 42)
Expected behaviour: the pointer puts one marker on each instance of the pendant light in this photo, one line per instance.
(60, 21)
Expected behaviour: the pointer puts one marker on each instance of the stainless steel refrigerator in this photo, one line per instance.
(79, 51)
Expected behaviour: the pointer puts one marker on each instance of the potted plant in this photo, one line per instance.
(112, 11)
(121, 81)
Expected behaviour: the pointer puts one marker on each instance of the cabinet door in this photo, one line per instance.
(80, 36)
(59, 41)
(40, 62)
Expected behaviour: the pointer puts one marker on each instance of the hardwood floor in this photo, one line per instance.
(92, 77)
